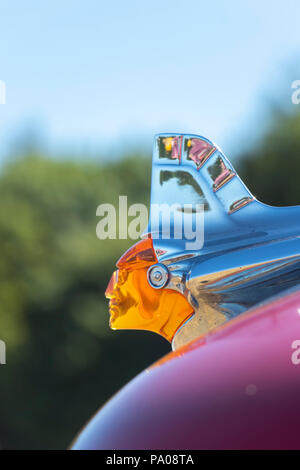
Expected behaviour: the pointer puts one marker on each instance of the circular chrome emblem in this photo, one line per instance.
(158, 276)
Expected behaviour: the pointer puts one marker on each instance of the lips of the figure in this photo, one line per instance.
(113, 313)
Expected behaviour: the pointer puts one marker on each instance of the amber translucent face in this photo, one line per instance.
(134, 304)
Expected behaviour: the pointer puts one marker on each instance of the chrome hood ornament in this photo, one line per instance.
(249, 252)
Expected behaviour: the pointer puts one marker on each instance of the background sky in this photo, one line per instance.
(91, 74)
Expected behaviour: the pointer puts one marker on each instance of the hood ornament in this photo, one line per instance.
(249, 252)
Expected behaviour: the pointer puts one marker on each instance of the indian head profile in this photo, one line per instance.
(249, 251)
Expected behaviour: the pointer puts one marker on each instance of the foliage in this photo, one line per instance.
(271, 169)
(63, 361)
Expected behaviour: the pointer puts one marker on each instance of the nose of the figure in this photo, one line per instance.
(111, 285)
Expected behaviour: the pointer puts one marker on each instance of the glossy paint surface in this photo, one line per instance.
(238, 387)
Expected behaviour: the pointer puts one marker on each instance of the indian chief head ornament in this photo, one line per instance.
(248, 251)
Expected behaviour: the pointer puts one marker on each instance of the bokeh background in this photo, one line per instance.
(88, 84)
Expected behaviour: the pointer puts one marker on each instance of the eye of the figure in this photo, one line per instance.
(140, 255)
(122, 275)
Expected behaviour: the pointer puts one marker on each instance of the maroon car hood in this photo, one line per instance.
(236, 388)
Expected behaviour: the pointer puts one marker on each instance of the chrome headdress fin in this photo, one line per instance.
(190, 169)
(250, 250)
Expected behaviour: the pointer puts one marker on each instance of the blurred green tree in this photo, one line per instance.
(63, 361)
(271, 168)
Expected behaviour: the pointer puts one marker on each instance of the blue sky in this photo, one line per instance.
(91, 74)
